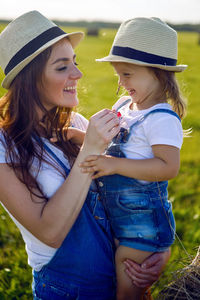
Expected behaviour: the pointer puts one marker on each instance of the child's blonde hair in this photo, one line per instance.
(171, 91)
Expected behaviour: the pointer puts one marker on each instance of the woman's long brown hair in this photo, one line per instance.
(19, 121)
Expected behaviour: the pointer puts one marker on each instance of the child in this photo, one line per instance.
(146, 152)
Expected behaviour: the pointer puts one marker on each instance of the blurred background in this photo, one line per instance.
(97, 89)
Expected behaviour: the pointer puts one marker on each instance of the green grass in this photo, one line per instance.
(97, 90)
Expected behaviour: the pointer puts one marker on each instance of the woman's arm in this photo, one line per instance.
(163, 166)
(51, 221)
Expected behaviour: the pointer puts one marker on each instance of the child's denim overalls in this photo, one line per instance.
(83, 267)
(140, 214)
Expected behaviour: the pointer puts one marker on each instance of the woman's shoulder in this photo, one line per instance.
(79, 121)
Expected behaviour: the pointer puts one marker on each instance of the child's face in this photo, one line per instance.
(140, 82)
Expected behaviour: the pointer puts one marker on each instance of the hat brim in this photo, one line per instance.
(116, 58)
(74, 38)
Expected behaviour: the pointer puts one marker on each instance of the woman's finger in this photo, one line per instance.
(138, 282)
(156, 259)
(111, 121)
(145, 269)
(107, 121)
(137, 274)
(100, 114)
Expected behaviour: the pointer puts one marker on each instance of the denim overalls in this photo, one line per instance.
(83, 267)
(140, 214)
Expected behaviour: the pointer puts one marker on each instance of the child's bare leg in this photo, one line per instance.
(125, 288)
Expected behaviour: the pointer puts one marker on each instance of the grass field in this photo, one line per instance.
(96, 91)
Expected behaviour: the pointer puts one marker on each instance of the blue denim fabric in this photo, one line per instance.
(83, 267)
(140, 214)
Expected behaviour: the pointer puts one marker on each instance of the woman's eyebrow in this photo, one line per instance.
(60, 59)
(63, 59)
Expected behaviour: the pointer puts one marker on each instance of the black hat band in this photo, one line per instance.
(143, 56)
(33, 46)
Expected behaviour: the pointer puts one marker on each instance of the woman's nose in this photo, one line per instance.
(76, 73)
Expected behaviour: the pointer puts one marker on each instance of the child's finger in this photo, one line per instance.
(91, 157)
(97, 175)
(85, 170)
(53, 139)
(86, 164)
(89, 169)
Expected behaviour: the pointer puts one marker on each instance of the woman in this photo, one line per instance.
(67, 234)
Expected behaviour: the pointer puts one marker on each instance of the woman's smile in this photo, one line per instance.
(70, 89)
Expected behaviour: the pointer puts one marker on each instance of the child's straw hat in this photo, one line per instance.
(147, 42)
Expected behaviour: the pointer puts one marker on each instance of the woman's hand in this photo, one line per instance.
(149, 271)
(103, 126)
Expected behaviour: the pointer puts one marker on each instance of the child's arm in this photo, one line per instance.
(71, 133)
(76, 135)
(164, 165)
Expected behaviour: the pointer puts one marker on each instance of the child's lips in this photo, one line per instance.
(131, 92)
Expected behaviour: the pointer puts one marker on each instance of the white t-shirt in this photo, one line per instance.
(50, 180)
(158, 128)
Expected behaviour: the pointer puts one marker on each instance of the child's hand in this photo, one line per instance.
(98, 165)
(70, 133)
(76, 135)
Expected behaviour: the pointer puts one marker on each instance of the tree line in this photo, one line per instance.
(115, 25)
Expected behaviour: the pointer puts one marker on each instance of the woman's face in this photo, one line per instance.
(60, 77)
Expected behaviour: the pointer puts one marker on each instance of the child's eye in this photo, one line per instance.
(126, 74)
(76, 64)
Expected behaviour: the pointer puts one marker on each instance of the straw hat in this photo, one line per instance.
(26, 37)
(146, 42)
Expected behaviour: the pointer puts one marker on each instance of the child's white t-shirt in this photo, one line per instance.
(50, 180)
(157, 129)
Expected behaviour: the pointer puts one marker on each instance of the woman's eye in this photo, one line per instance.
(62, 68)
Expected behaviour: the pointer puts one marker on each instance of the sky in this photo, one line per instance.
(174, 11)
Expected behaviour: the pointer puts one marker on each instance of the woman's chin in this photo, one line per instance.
(71, 103)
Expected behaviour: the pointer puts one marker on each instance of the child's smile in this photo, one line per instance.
(140, 83)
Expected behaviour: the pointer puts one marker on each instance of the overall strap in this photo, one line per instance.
(123, 103)
(162, 110)
(52, 154)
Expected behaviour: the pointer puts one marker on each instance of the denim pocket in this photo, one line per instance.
(45, 291)
(133, 201)
(166, 224)
(132, 217)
